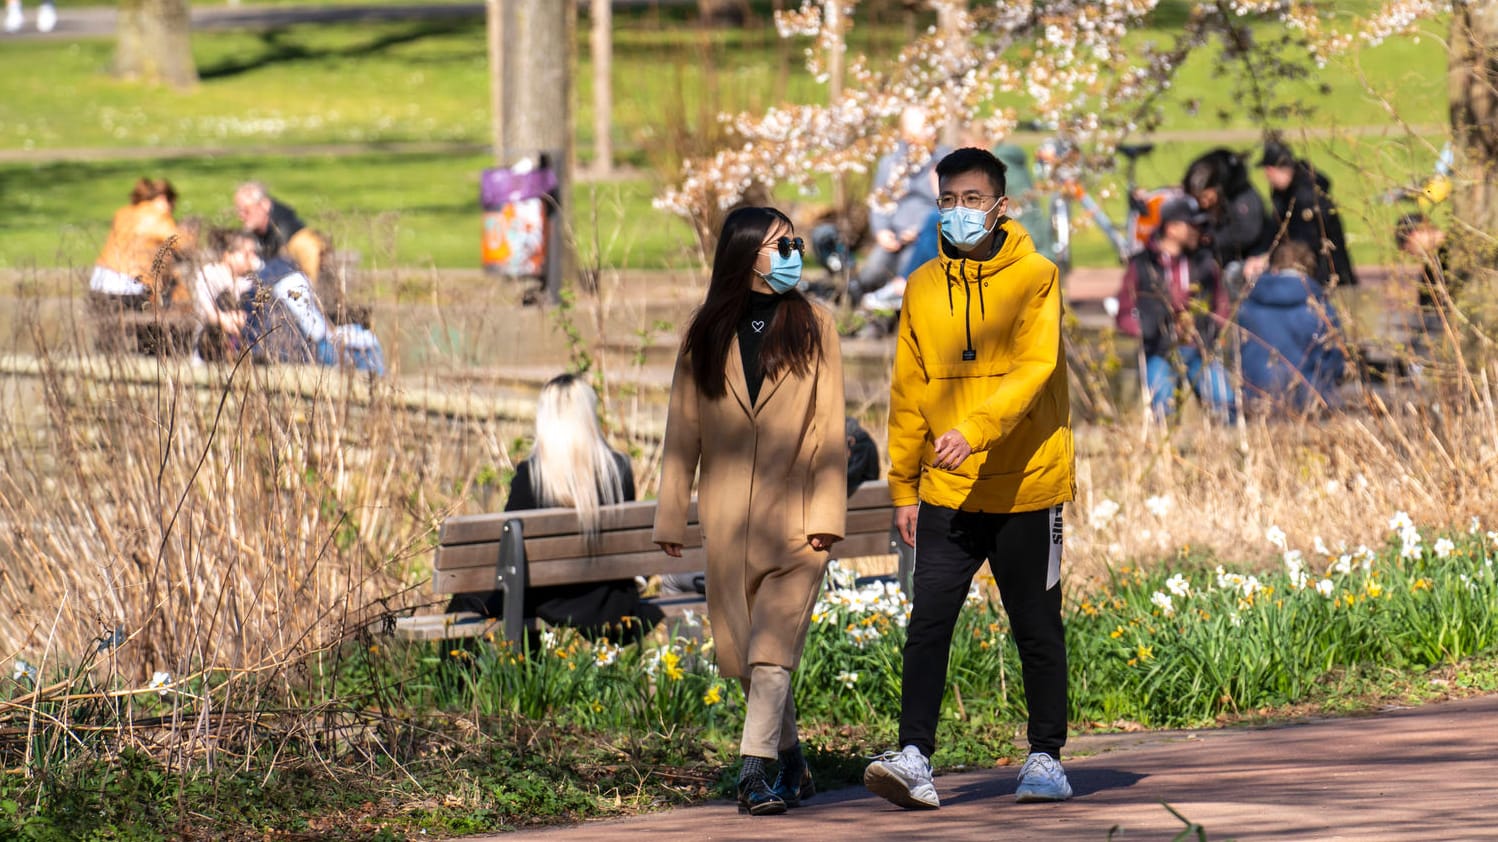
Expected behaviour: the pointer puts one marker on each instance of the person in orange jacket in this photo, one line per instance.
(981, 461)
(135, 265)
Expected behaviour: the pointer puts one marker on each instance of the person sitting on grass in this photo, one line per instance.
(284, 323)
(571, 465)
(279, 232)
(1173, 298)
(135, 265)
(1291, 354)
(1420, 239)
(219, 288)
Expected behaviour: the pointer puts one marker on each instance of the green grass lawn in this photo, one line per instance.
(396, 210)
(426, 81)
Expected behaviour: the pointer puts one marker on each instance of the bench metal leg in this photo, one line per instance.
(906, 553)
(510, 578)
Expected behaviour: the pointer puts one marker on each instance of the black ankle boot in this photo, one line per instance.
(755, 796)
(793, 783)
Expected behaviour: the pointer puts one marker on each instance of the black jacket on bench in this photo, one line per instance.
(596, 609)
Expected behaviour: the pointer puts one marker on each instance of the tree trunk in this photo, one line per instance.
(494, 18)
(603, 89)
(154, 43)
(538, 107)
(1473, 95)
(723, 12)
(946, 21)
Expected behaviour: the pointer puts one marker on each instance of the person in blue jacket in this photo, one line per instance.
(1290, 337)
(284, 323)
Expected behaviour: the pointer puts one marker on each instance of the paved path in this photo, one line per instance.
(1428, 773)
(99, 21)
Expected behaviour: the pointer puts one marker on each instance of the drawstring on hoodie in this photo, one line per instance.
(969, 354)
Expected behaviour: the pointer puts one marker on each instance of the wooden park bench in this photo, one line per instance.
(509, 551)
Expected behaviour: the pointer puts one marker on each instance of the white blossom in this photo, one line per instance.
(1443, 547)
(1159, 505)
(1178, 585)
(1325, 587)
(161, 682)
(23, 670)
(1102, 513)
(605, 653)
(847, 679)
(1276, 536)
(1163, 602)
(1295, 567)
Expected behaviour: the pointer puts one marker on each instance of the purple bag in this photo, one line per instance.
(500, 186)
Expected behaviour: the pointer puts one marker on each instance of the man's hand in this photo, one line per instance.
(905, 522)
(951, 450)
(909, 236)
(822, 541)
(887, 240)
(1254, 266)
(670, 549)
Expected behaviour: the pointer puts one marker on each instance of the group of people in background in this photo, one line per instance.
(251, 290)
(1222, 272)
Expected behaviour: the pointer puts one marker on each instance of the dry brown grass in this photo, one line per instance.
(1430, 451)
(238, 527)
(245, 521)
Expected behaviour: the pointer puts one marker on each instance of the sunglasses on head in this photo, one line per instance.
(785, 244)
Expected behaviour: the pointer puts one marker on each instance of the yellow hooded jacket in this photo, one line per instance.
(980, 351)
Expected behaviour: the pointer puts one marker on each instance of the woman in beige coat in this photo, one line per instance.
(757, 398)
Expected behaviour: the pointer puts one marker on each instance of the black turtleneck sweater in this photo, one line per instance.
(752, 330)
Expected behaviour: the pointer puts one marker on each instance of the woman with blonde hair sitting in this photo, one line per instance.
(572, 465)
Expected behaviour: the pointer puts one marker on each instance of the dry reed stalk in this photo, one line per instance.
(235, 536)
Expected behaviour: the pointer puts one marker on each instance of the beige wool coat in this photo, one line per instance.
(773, 474)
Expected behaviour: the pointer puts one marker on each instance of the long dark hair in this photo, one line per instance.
(793, 340)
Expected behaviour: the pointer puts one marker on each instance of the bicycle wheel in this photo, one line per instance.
(1061, 234)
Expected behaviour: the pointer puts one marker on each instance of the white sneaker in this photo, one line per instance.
(903, 778)
(46, 18)
(13, 18)
(1042, 779)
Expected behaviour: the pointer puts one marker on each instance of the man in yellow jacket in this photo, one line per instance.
(981, 460)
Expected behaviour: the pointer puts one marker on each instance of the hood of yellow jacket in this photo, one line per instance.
(1015, 243)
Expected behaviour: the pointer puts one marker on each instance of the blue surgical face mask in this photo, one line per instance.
(963, 227)
(785, 272)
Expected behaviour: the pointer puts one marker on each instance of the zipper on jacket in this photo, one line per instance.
(969, 354)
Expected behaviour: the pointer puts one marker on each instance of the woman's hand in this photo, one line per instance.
(821, 542)
(670, 549)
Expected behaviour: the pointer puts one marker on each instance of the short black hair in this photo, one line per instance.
(972, 159)
(221, 241)
(1406, 226)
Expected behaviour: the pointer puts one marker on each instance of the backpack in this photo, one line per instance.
(863, 455)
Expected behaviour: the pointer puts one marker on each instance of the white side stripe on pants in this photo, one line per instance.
(1053, 570)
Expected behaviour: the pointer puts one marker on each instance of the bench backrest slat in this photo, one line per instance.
(556, 554)
(540, 523)
(561, 572)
